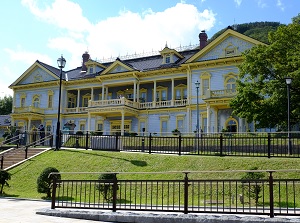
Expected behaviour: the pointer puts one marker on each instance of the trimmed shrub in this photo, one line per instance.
(4, 177)
(44, 180)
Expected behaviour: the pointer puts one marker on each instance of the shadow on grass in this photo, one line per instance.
(134, 162)
(5, 195)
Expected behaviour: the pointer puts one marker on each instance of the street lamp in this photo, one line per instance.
(61, 62)
(288, 81)
(197, 89)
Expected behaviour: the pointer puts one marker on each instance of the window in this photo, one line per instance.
(36, 101)
(230, 83)
(205, 82)
(180, 92)
(116, 126)
(106, 96)
(143, 95)
(85, 100)
(50, 101)
(180, 123)
(168, 59)
(82, 125)
(22, 103)
(164, 124)
(161, 93)
(91, 70)
(231, 125)
(71, 101)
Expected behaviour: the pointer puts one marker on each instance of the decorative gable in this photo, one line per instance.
(35, 74)
(228, 44)
(117, 67)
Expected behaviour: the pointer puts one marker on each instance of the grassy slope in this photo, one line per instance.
(23, 182)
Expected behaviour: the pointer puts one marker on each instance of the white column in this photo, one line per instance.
(92, 94)
(188, 118)
(134, 91)
(29, 124)
(208, 118)
(102, 92)
(138, 92)
(122, 123)
(172, 102)
(216, 120)
(78, 98)
(154, 94)
(14, 101)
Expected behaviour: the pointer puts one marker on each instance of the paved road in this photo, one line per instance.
(23, 211)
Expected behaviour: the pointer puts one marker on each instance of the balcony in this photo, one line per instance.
(220, 93)
(137, 105)
(28, 109)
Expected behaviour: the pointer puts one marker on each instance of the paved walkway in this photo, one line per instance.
(24, 211)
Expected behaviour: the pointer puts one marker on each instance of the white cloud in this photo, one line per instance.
(128, 32)
(27, 57)
(5, 82)
(280, 5)
(238, 2)
(261, 4)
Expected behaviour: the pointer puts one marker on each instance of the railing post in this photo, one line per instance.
(150, 142)
(115, 188)
(26, 152)
(271, 190)
(87, 140)
(186, 193)
(179, 145)
(54, 184)
(2, 160)
(269, 145)
(221, 144)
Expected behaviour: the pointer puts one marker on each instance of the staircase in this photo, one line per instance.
(11, 157)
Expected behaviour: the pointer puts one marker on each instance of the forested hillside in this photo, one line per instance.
(255, 30)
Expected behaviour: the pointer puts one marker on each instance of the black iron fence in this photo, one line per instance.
(220, 144)
(267, 196)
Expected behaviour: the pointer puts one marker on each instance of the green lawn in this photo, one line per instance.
(23, 180)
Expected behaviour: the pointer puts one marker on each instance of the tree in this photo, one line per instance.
(251, 184)
(45, 179)
(262, 90)
(6, 105)
(4, 177)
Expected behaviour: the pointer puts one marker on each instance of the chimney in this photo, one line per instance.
(85, 58)
(203, 39)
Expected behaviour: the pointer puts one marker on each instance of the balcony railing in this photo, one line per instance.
(220, 93)
(138, 105)
(29, 109)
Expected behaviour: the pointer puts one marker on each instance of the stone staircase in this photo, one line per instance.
(12, 157)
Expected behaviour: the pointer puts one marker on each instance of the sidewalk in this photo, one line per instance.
(24, 211)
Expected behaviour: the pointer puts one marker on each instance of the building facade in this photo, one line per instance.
(154, 93)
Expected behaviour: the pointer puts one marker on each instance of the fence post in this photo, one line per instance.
(271, 190)
(115, 188)
(221, 144)
(54, 184)
(87, 140)
(269, 145)
(150, 142)
(51, 140)
(26, 152)
(179, 145)
(117, 141)
(2, 159)
(186, 193)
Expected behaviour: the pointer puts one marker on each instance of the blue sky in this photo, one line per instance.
(44, 29)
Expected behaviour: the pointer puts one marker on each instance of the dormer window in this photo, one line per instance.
(91, 70)
(168, 58)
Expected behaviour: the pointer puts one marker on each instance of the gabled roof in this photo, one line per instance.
(5, 120)
(219, 39)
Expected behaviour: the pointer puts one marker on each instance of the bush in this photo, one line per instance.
(44, 180)
(79, 133)
(251, 185)
(4, 177)
(106, 189)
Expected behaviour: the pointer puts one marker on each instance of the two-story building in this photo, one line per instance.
(157, 93)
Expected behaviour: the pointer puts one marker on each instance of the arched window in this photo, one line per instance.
(231, 84)
(231, 125)
(36, 102)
